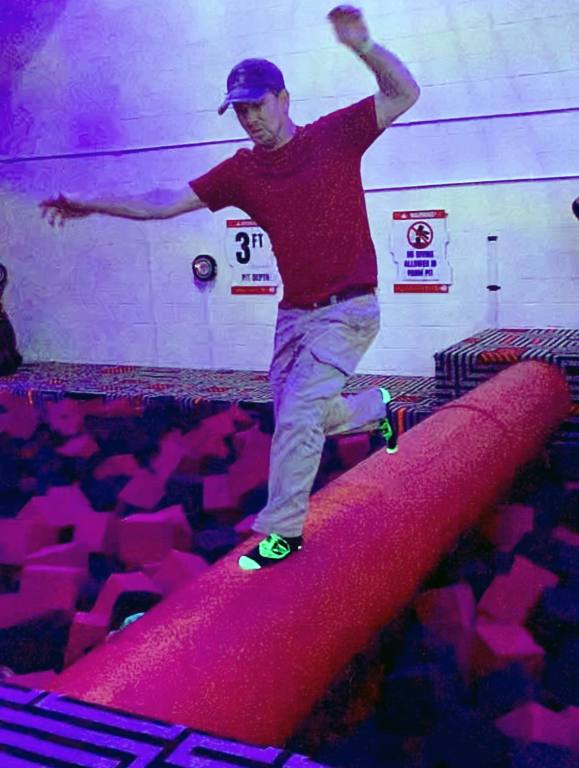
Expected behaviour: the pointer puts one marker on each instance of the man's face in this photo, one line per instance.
(264, 120)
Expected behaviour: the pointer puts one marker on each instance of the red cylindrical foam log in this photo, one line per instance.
(246, 655)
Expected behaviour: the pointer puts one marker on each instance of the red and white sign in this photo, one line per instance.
(418, 244)
(251, 258)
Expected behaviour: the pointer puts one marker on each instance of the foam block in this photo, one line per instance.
(182, 533)
(51, 587)
(36, 680)
(251, 468)
(176, 569)
(209, 438)
(144, 539)
(13, 610)
(14, 541)
(507, 526)
(498, 645)
(74, 554)
(510, 598)
(145, 490)
(116, 585)
(86, 631)
(172, 449)
(567, 536)
(21, 418)
(124, 464)
(150, 536)
(572, 714)
(388, 525)
(82, 446)
(117, 407)
(218, 494)
(453, 605)
(450, 614)
(534, 723)
(65, 417)
(66, 508)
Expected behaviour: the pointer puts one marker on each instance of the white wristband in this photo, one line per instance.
(365, 47)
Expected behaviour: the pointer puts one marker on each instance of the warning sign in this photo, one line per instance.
(251, 258)
(419, 241)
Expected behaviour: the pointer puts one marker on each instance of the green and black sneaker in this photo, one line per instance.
(388, 424)
(269, 551)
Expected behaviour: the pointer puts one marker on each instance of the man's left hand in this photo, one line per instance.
(349, 26)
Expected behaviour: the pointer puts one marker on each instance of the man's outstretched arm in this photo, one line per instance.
(160, 204)
(398, 89)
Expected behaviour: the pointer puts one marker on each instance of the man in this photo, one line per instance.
(303, 186)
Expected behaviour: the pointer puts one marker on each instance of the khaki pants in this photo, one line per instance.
(315, 351)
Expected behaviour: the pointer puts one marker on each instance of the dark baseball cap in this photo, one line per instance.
(250, 80)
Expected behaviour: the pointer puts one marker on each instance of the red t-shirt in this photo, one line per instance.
(308, 197)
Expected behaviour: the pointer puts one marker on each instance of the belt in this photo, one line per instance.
(350, 293)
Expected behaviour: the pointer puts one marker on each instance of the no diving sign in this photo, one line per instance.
(419, 241)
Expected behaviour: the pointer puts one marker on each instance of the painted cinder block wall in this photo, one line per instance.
(118, 98)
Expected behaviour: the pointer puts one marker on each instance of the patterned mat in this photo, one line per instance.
(42, 729)
(414, 396)
(468, 363)
(185, 385)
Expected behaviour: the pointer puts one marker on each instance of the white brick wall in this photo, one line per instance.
(121, 76)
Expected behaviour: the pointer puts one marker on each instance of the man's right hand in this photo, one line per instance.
(61, 208)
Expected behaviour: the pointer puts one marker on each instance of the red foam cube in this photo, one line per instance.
(74, 555)
(81, 446)
(534, 723)
(566, 535)
(21, 418)
(118, 583)
(124, 464)
(176, 569)
(508, 524)
(495, 646)
(144, 538)
(511, 597)
(218, 494)
(86, 632)
(145, 490)
(15, 538)
(51, 587)
(66, 417)
(39, 681)
(450, 614)
(172, 450)
(251, 469)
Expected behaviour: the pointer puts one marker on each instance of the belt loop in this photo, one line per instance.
(333, 299)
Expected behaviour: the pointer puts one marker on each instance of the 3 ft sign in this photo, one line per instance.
(251, 258)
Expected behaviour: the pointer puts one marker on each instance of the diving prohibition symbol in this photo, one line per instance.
(420, 235)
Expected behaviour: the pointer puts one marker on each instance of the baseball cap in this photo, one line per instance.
(250, 80)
